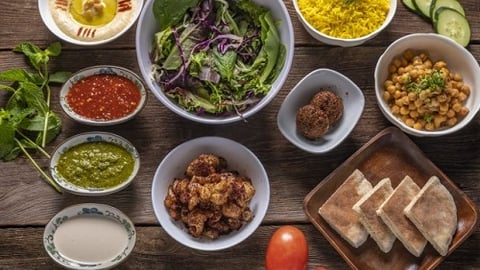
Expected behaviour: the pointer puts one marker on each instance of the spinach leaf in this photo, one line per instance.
(170, 12)
(271, 45)
(225, 63)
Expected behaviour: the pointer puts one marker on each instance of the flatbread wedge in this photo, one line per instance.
(367, 207)
(391, 212)
(434, 213)
(338, 213)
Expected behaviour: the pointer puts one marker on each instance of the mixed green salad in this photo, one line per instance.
(216, 57)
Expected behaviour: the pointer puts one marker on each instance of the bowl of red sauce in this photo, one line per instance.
(103, 95)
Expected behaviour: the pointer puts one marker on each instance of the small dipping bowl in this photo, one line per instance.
(119, 95)
(119, 151)
(89, 236)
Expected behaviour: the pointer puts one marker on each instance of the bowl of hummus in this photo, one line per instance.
(89, 22)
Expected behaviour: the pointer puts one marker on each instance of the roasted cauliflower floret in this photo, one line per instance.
(210, 201)
(231, 210)
(205, 164)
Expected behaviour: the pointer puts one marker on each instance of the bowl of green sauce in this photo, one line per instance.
(95, 163)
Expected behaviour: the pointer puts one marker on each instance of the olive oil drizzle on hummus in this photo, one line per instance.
(93, 12)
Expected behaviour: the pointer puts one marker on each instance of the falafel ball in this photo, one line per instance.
(330, 103)
(312, 122)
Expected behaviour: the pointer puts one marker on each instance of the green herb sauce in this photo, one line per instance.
(96, 165)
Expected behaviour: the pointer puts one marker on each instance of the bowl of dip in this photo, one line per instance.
(103, 95)
(89, 236)
(94, 163)
(89, 22)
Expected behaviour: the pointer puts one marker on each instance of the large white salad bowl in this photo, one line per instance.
(146, 29)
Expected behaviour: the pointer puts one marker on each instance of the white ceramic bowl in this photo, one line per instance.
(353, 104)
(147, 27)
(86, 138)
(50, 23)
(342, 41)
(240, 159)
(97, 70)
(458, 60)
(72, 259)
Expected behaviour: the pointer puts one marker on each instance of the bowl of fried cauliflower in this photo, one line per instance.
(210, 193)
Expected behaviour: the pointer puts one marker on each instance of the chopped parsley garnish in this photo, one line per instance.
(428, 118)
(434, 81)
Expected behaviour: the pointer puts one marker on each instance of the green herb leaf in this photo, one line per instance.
(225, 63)
(170, 12)
(13, 75)
(34, 54)
(7, 88)
(27, 121)
(54, 49)
(7, 135)
(59, 77)
(33, 97)
(431, 82)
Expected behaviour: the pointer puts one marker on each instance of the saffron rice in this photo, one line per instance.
(340, 19)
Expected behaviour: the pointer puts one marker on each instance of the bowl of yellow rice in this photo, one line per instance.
(345, 23)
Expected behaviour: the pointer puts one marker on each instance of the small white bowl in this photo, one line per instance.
(71, 259)
(86, 138)
(458, 60)
(240, 159)
(97, 70)
(146, 29)
(47, 18)
(343, 42)
(302, 93)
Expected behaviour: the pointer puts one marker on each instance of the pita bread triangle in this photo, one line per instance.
(434, 213)
(338, 213)
(367, 207)
(391, 212)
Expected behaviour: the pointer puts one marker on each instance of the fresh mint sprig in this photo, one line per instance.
(26, 121)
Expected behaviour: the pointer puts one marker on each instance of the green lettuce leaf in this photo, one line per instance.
(169, 12)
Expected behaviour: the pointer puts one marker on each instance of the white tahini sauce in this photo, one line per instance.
(90, 239)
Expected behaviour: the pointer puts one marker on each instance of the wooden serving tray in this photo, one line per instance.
(389, 154)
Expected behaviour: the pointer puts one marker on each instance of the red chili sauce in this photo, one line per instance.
(103, 97)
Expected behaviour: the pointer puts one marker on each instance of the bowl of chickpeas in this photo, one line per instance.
(427, 85)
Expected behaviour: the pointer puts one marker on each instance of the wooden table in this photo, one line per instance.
(27, 203)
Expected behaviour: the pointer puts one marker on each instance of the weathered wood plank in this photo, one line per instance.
(22, 248)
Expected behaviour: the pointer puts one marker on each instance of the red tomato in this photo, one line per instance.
(287, 250)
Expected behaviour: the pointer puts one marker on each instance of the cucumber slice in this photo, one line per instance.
(436, 4)
(423, 6)
(410, 5)
(453, 24)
